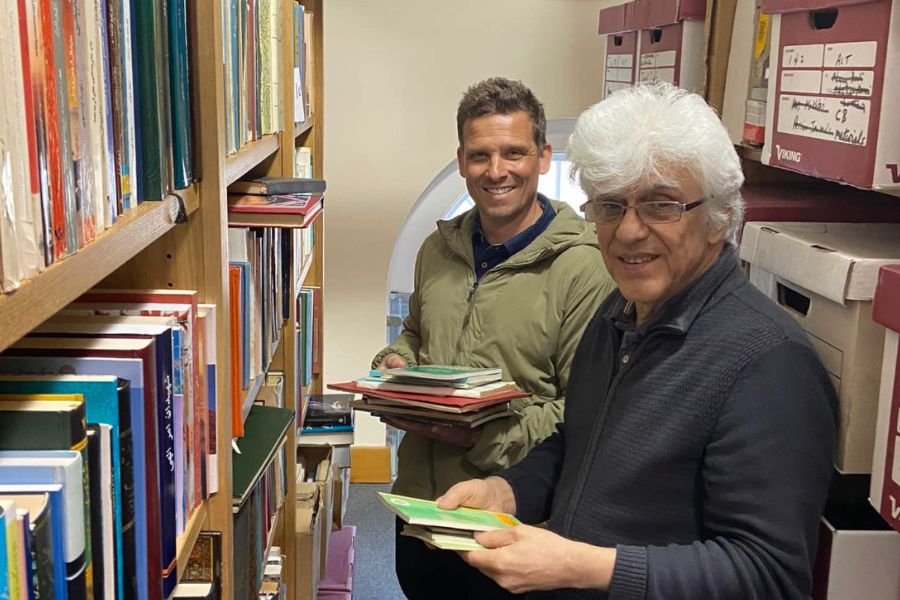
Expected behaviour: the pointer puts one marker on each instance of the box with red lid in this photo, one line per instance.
(616, 24)
(836, 77)
(671, 41)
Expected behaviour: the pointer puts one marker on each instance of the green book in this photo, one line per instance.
(416, 511)
(264, 432)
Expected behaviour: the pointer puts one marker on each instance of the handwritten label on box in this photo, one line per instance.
(808, 56)
(620, 61)
(851, 55)
(843, 120)
(847, 83)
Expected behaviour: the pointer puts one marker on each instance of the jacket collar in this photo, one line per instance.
(565, 230)
(679, 312)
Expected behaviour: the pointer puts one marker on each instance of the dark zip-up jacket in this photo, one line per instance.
(699, 445)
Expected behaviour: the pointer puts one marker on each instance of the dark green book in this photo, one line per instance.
(180, 93)
(264, 432)
(151, 151)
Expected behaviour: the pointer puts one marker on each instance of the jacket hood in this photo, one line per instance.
(565, 231)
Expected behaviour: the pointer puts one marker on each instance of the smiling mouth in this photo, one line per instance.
(638, 260)
(496, 191)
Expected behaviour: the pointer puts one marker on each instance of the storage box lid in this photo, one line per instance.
(786, 6)
(886, 305)
(656, 13)
(616, 19)
(839, 261)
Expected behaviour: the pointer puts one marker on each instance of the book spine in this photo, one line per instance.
(74, 72)
(92, 110)
(179, 93)
(166, 428)
(70, 214)
(37, 78)
(127, 575)
(135, 103)
(109, 144)
(42, 554)
(146, 20)
(93, 504)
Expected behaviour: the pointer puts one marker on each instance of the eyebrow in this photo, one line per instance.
(645, 195)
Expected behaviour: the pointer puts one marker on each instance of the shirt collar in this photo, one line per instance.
(523, 238)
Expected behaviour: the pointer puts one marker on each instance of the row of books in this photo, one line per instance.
(251, 50)
(202, 578)
(144, 363)
(259, 477)
(436, 394)
(96, 120)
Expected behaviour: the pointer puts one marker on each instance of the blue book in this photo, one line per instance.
(132, 371)
(56, 559)
(62, 467)
(101, 398)
(179, 92)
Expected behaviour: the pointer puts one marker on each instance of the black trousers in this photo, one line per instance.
(426, 574)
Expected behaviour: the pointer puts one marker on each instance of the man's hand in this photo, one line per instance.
(492, 493)
(464, 437)
(391, 361)
(524, 558)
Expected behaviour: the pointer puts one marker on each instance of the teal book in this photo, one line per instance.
(62, 467)
(152, 146)
(180, 93)
(103, 404)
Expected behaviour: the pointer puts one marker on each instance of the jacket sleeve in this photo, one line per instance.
(409, 341)
(505, 442)
(534, 479)
(765, 477)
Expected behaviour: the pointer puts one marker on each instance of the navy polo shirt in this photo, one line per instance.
(487, 256)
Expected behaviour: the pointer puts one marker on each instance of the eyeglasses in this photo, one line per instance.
(652, 213)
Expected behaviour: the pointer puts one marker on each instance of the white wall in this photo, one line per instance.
(394, 73)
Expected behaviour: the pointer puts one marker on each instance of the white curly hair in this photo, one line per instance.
(640, 134)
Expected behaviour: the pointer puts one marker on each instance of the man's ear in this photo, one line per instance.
(460, 160)
(545, 158)
(717, 235)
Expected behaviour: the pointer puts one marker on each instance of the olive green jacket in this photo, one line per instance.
(525, 315)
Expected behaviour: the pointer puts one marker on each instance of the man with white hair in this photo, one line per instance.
(696, 450)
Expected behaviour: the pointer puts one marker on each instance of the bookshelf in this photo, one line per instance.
(150, 246)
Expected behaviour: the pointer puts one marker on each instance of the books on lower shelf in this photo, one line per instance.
(446, 529)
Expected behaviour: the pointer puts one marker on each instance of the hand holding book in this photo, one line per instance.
(464, 437)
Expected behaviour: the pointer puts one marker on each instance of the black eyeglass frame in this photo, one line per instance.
(685, 207)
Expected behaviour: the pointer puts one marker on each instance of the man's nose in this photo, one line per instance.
(497, 168)
(632, 227)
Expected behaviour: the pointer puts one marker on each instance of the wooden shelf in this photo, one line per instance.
(301, 128)
(62, 282)
(273, 532)
(248, 156)
(185, 542)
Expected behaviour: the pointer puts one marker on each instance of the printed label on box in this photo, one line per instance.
(801, 82)
(832, 119)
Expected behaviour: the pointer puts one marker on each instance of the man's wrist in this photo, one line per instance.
(590, 567)
(503, 494)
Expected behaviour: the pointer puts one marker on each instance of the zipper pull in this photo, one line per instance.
(472, 292)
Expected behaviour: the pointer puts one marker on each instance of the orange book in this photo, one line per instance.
(234, 314)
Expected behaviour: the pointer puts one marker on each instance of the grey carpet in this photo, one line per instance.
(374, 577)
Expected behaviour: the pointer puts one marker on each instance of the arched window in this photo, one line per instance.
(444, 198)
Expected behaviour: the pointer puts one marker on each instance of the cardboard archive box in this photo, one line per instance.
(671, 41)
(884, 493)
(858, 556)
(309, 530)
(617, 26)
(834, 89)
(319, 459)
(824, 275)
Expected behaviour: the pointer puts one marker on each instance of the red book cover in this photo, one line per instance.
(287, 204)
(33, 178)
(234, 315)
(54, 147)
(464, 404)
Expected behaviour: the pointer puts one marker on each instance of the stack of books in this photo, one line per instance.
(287, 202)
(445, 529)
(328, 420)
(448, 395)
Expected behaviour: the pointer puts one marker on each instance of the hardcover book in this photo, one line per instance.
(289, 211)
(40, 540)
(271, 186)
